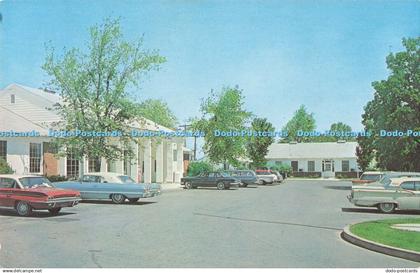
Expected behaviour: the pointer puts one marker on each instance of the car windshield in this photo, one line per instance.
(126, 179)
(374, 177)
(263, 172)
(34, 182)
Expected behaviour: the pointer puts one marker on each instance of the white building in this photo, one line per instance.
(327, 158)
(24, 109)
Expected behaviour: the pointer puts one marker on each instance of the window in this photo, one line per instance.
(279, 162)
(417, 186)
(408, 185)
(12, 98)
(175, 155)
(345, 166)
(295, 166)
(72, 166)
(7, 183)
(35, 157)
(3, 150)
(111, 166)
(91, 179)
(311, 166)
(94, 165)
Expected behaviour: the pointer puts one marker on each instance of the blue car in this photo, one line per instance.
(96, 188)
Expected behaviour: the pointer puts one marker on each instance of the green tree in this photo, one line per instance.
(257, 146)
(301, 121)
(223, 112)
(4, 167)
(93, 86)
(396, 106)
(338, 131)
(157, 111)
(197, 167)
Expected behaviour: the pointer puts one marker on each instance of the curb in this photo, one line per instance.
(377, 247)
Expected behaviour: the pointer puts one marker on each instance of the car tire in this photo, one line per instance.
(263, 182)
(188, 185)
(23, 208)
(54, 211)
(117, 198)
(220, 185)
(245, 185)
(386, 207)
(133, 200)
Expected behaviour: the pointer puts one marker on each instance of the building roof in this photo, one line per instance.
(38, 114)
(323, 150)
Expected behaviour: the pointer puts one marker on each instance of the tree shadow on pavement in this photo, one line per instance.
(34, 214)
(375, 211)
(106, 202)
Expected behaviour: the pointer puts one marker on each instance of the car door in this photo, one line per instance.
(6, 191)
(210, 180)
(407, 196)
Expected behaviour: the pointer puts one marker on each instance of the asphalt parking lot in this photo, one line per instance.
(294, 224)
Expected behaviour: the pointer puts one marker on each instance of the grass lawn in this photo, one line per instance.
(380, 231)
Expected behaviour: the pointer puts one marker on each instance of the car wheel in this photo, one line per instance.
(188, 185)
(118, 198)
(263, 182)
(220, 185)
(133, 200)
(54, 211)
(23, 208)
(386, 207)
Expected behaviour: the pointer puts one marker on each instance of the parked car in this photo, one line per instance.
(221, 180)
(110, 177)
(387, 176)
(265, 177)
(401, 193)
(25, 193)
(246, 177)
(368, 177)
(279, 177)
(96, 187)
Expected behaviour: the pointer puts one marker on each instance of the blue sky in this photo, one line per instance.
(323, 54)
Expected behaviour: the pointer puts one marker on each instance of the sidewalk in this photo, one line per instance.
(170, 187)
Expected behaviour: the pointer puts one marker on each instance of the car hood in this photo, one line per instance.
(55, 192)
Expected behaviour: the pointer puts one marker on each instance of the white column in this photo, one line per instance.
(147, 161)
(104, 165)
(169, 162)
(134, 162)
(179, 160)
(159, 162)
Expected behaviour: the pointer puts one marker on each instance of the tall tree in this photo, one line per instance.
(301, 121)
(93, 86)
(396, 106)
(223, 112)
(157, 111)
(257, 146)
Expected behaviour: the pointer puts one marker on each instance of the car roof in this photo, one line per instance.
(105, 173)
(373, 172)
(17, 176)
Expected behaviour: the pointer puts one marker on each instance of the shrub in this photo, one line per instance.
(197, 167)
(4, 167)
(56, 178)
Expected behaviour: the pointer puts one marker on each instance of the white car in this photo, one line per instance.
(265, 177)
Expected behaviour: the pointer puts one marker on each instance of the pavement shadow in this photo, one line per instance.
(340, 188)
(212, 189)
(375, 211)
(34, 214)
(106, 202)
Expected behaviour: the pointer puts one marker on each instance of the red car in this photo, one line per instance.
(25, 193)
